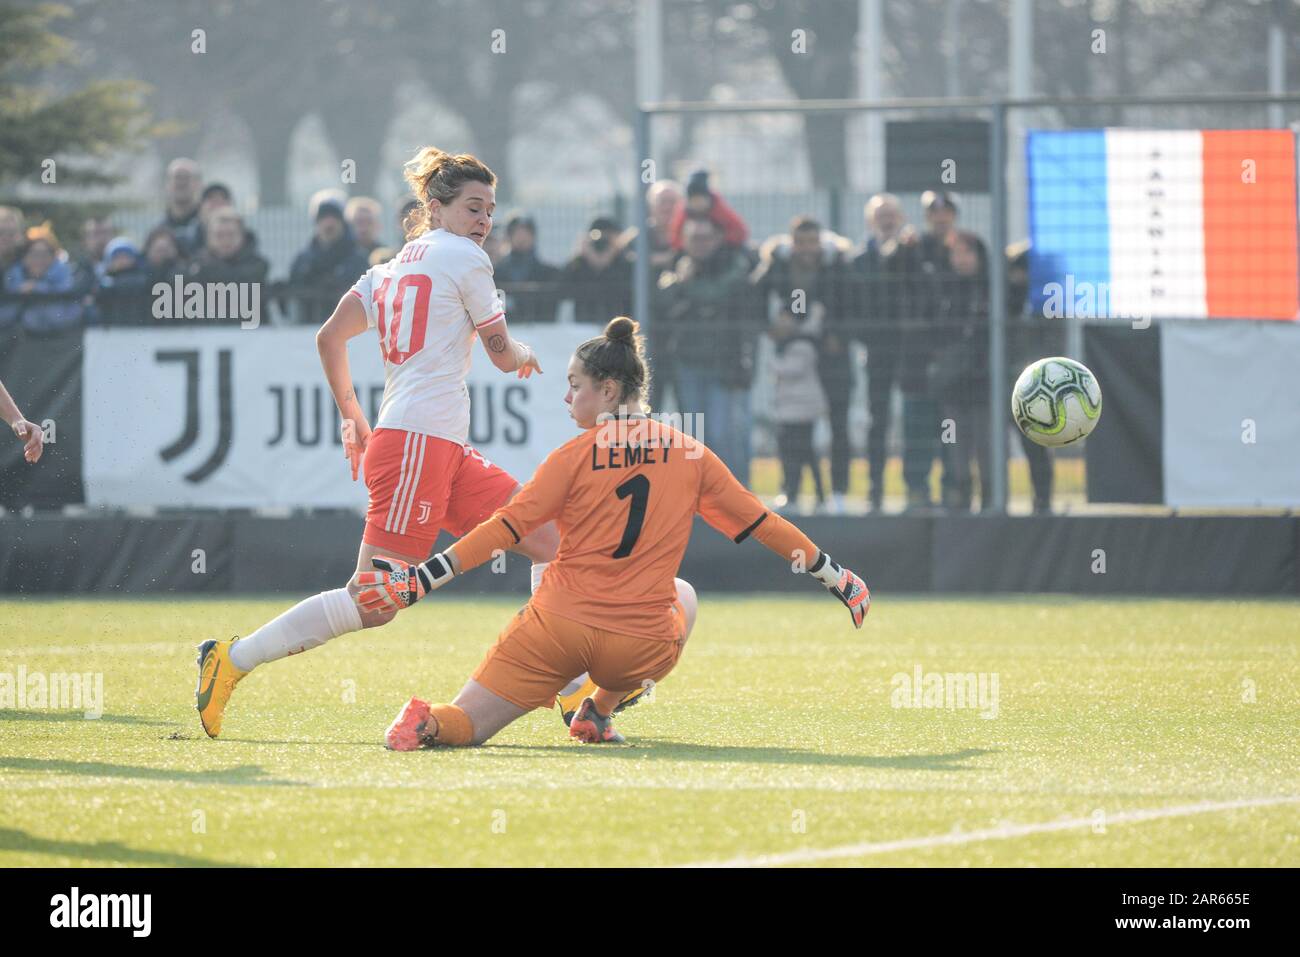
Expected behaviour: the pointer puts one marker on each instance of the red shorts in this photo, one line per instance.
(420, 484)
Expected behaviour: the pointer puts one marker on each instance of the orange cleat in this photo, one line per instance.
(406, 733)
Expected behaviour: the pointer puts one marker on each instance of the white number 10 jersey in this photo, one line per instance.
(426, 303)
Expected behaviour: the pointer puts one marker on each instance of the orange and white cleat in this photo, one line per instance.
(589, 727)
(406, 733)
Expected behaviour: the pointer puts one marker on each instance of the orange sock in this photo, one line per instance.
(454, 726)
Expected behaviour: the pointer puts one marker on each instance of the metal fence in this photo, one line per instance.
(992, 206)
(879, 415)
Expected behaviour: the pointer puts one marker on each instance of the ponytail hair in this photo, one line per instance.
(432, 174)
(618, 354)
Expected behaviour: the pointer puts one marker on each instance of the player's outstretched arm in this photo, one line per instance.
(32, 437)
(395, 585)
(728, 506)
(347, 321)
(788, 541)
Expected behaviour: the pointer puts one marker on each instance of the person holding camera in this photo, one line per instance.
(712, 324)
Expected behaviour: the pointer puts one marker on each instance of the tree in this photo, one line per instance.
(74, 129)
(813, 40)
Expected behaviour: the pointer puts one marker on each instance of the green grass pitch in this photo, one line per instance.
(1125, 733)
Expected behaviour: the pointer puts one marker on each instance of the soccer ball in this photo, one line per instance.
(1056, 401)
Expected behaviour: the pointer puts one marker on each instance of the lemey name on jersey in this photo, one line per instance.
(628, 456)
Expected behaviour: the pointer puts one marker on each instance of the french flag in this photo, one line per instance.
(1156, 223)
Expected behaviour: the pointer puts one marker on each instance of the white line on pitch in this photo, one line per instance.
(987, 834)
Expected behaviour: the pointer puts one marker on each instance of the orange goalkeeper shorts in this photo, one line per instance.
(540, 652)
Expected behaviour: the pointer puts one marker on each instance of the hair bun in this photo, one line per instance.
(621, 329)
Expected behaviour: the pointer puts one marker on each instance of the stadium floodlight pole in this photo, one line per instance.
(871, 75)
(649, 89)
(1277, 64)
(641, 268)
(998, 308)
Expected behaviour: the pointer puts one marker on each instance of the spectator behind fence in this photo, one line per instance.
(328, 267)
(381, 254)
(536, 301)
(663, 201)
(495, 246)
(12, 228)
(922, 336)
(798, 399)
(712, 326)
(959, 374)
(96, 232)
(876, 285)
(215, 196)
(703, 203)
(1030, 340)
(42, 269)
(226, 256)
(162, 256)
(183, 193)
(124, 289)
(798, 272)
(410, 209)
(599, 277)
(364, 214)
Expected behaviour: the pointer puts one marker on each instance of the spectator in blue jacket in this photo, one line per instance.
(123, 280)
(43, 268)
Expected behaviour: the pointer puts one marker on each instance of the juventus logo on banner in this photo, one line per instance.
(274, 441)
(190, 433)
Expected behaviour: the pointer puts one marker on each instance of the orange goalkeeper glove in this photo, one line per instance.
(397, 585)
(851, 590)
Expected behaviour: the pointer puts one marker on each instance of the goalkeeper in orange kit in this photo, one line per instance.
(623, 494)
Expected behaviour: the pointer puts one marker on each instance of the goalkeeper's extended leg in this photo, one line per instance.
(476, 715)
(582, 687)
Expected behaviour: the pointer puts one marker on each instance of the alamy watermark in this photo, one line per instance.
(24, 690)
(130, 911)
(220, 301)
(950, 690)
(647, 432)
(1084, 299)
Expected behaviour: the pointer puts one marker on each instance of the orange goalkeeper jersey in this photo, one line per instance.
(623, 495)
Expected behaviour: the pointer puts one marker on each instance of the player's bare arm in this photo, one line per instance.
(29, 432)
(347, 321)
(508, 354)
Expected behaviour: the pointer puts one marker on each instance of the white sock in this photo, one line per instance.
(308, 624)
(538, 569)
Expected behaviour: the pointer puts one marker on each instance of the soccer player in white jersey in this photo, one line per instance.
(427, 305)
